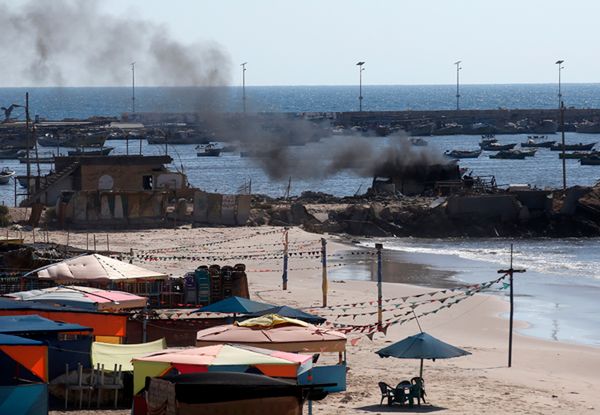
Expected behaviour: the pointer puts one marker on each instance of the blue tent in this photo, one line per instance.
(236, 305)
(27, 393)
(60, 351)
(10, 304)
(286, 311)
(421, 346)
(36, 324)
(8, 340)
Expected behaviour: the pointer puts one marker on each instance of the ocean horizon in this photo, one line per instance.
(56, 103)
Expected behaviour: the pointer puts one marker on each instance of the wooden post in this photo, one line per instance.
(94, 242)
(324, 283)
(379, 247)
(87, 241)
(67, 245)
(131, 255)
(33, 233)
(284, 277)
(510, 273)
(107, 244)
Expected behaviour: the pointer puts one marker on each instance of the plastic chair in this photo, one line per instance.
(417, 390)
(386, 392)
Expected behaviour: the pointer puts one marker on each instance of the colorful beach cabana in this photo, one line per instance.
(61, 351)
(220, 358)
(23, 377)
(88, 298)
(108, 327)
(290, 335)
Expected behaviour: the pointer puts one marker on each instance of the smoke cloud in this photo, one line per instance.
(74, 43)
(293, 147)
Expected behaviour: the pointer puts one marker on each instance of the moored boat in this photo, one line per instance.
(208, 150)
(573, 147)
(509, 155)
(538, 144)
(587, 127)
(578, 154)
(5, 175)
(89, 139)
(497, 146)
(463, 154)
(105, 151)
(590, 161)
(419, 142)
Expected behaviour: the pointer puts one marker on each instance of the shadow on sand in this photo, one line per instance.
(423, 409)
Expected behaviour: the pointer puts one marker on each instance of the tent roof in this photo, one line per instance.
(421, 346)
(238, 305)
(94, 267)
(8, 340)
(84, 297)
(286, 311)
(109, 354)
(34, 323)
(290, 337)
(225, 354)
(12, 304)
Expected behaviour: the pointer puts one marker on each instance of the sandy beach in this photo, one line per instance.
(546, 377)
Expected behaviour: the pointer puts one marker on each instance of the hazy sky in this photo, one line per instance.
(318, 42)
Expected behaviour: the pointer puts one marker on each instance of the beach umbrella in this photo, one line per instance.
(421, 346)
(291, 312)
(235, 305)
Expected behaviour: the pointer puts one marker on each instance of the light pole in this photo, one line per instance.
(458, 68)
(133, 87)
(560, 67)
(243, 65)
(360, 97)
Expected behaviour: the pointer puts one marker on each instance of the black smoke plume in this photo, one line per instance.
(74, 43)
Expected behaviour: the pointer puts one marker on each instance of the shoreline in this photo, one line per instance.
(540, 381)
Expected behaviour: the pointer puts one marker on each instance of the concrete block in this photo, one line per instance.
(228, 210)
(201, 206)
(242, 209)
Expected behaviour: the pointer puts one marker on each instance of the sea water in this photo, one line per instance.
(557, 295)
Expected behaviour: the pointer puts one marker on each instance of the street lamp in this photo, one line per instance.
(360, 97)
(243, 65)
(458, 68)
(560, 67)
(133, 87)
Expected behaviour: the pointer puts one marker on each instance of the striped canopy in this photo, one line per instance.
(220, 358)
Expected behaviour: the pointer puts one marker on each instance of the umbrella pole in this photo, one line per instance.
(421, 371)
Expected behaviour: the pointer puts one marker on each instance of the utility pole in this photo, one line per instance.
(133, 87)
(243, 65)
(562, 132)
(324, 282)
(560, 68)
(510, 273)
(458, 68)
(360, 97)
(28, 143)
(284, 277)
(379, 247)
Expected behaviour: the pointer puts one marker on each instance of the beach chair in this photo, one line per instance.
(386, 392)
(417, 390)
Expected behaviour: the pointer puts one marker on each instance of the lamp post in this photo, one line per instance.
(133, 87)
(458, 68)
(360, 97)
(560, 68)
(243, 65)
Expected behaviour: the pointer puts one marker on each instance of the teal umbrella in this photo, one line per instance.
(421, 346)
(235, 305)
